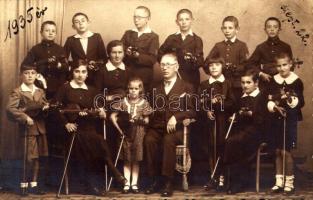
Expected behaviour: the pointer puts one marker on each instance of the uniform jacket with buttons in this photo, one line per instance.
(39, 54)
(265, 54)
(235, 53)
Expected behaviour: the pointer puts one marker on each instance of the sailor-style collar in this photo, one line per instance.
(290, 79)
(252, 94)
(219, 79)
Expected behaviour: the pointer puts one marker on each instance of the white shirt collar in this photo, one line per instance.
(290, 79)
(25, 88)
(220, 79)
(189, 32)
(74, 85)
(169, 87)
(111, 67)
(147, 30)
(252, 94)
(232, 40)
(184, 36)
(88, 34)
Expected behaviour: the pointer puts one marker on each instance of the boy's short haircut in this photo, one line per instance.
(251, 72)
(146, 9)
(27, 67)
(231, 19)
(282, 55)
(184, 10)
(45, 23)
(79, 13)
(112, 44)
(170, 52)
(273, 19)
(78, 63)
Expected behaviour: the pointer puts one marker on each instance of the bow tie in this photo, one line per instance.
(167, 83)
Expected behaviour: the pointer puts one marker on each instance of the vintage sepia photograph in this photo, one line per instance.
(156, 99)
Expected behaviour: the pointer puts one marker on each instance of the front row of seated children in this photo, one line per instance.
(284, 104)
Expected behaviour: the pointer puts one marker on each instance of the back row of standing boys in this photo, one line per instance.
(233, 81)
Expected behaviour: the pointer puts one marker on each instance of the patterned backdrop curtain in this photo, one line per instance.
(20, 30)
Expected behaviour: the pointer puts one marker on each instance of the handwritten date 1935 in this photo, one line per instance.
(20, 23)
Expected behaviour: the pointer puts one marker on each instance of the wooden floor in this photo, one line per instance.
(193, 193)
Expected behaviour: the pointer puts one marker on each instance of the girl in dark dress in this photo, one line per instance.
(285, 103)
(112, 81)
(133, 125)
(89, 146)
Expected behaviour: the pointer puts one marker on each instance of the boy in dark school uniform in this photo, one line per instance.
(32, 128)
(245, 135)
(234, 51)
(217, 104)
(141, 45)
(86, 45)
(49, 58)
(285, 101)
(188, 47)
(263, 56)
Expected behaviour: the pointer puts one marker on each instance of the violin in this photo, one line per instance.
(72, 111)
(33, 109)
(270, 68)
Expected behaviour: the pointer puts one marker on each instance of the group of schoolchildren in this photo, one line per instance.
(262, 91)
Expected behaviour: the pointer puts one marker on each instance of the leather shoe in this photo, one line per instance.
(134, 189)
(236, 188)
(152, 188)
(126, 189)
(96, 191)
(121, 180)
(36, 190)
(168, 190)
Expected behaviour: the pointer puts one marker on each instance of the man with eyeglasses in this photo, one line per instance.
(172, 105)
(141, 45)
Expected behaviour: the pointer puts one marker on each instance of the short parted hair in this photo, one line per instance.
(252, 73)
(282, 55)
(114, 43)
(273, 19)
(231, 19)
(146, 9)
(79, 13)
(184, 10)
(78, 63)
(170, 52)
(138, 80)
(45, 23)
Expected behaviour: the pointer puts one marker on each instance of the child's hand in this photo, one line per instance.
(280, 110)
(265, 77)
(102, 113)
(71, 127)
(82, 113)
(52, 59)
(59, 65)
(45, 107)
(214, 100)
(91, 64)
(211, 115)
(29, 121)
(129, 51)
